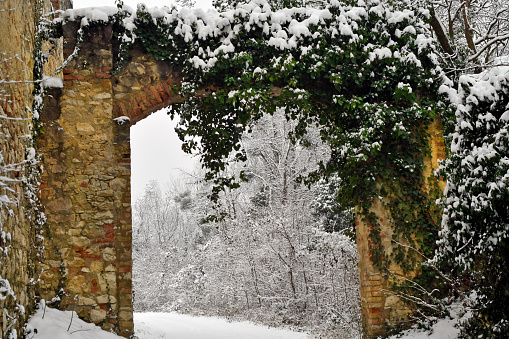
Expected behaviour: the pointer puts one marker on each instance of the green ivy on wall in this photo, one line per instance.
(366, 73)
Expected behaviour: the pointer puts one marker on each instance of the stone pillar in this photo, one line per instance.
(86, 189)
(379, 306)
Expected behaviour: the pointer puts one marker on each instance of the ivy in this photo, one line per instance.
(366, 73)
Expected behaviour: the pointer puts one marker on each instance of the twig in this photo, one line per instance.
(428, 263)
(80, 330)
(72, 315)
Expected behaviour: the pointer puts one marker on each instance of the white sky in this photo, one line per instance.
(156, 152)
(133, 3)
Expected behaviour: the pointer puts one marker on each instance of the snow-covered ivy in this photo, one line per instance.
(365, 72)
(475, 223)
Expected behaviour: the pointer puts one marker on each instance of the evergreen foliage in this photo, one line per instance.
(475, 222)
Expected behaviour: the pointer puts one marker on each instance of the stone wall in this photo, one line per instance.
(144, 86)
(86, 183)
(86, 190)
(19, 261)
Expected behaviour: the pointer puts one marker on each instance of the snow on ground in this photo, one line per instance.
(49, 323)
(54, 324)
(173, 325)
(443, 329)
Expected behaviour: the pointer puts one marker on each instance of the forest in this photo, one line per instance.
(284, 255)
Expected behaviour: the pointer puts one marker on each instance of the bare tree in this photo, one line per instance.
(472, 32)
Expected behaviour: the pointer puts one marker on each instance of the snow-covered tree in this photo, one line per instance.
(474, 239)
(332, 215)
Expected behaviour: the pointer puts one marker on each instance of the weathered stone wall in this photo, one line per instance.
(86, 183)
(144, 86)
(18, 243)
(86, 190)
(379, 306)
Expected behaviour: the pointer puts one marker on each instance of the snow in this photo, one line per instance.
(166, 325)
(54, 324)
(442, 329)
(92, 14)
(121, 120)
(52, 82)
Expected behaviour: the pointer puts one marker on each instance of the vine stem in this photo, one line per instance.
(428, 262)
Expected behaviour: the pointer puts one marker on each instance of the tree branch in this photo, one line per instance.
(439, 30)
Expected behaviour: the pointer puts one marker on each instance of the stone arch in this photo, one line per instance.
(86, 183)
(144, 86)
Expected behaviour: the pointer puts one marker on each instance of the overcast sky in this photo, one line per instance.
(132, 3)
(156, 152)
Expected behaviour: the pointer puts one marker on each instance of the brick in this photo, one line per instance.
(103, 75)
(73, 77)
(164, 96)
(123, 108)
(145, 101)
(374, 315)
(168, 90)
(374, 300)
(104, 240)
(376, 293)
(140, 102)
(156, 94)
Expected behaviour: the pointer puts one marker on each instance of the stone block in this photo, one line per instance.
(125, 315)
(76, 284)
(102, 96)
(84, 301)
(84, 129)
(105, 299)
(96, 266)
(59, 205)
(97, 316)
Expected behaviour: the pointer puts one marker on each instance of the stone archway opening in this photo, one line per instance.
(86, 183)
(163, 225)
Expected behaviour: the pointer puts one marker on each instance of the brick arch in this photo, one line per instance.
(144, 86)
(144, 102)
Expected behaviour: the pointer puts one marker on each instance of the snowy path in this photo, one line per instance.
(48, 323)
(178, 326)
